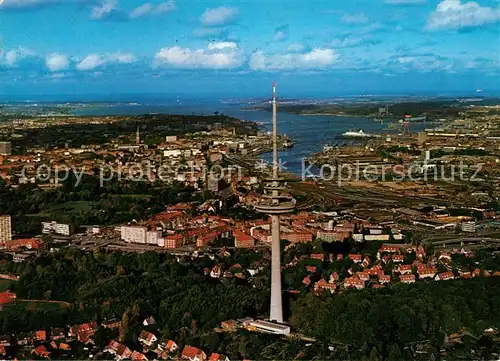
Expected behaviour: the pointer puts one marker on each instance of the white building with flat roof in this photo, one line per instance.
(58, 228)
(270, 327)
(134, 234)
(153, 237)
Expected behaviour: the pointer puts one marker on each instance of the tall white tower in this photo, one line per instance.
(274, 204)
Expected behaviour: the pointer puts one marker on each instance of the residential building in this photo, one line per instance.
(354, 282)
(206, 239)
(147, 338)
(242, 239)
(323, 285)
(444, 276)
(332, 236)
(169, 346)
(426, 272)
(134, 234)
(398, 258)
(30, 243)
(218, 357)
(298, 236)
(173, 241)
(384, 279)
(407, 278)
(152, 237)
(112, 323)
(57, 228)
(138, 356)
(5, 148)
(405, 269)
(5, 229)
(41, 335)
(119, 350)
(356, 258)
(41, 351)
(193, 354)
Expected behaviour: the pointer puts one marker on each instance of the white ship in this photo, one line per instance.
(358, 134)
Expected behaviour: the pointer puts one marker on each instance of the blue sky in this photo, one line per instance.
(235, 48)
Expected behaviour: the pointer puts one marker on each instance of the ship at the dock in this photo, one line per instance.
(409, 118)
(287, 142)
(360, 134)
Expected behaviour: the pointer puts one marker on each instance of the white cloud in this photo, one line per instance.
(295, 48)
(280, 36)
(359, 18)
(19, 4)
(222, 55)
(93, 61)
(104, 9)
(222, 45)
(317, 58)
(281, 32)
(142, 10)
(166, 7)
(421, 63)
(453, 14)
(57, 62)
(149, 9)
(218, 16)
(12, 57)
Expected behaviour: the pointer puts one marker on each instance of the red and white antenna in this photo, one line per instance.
(406, 128)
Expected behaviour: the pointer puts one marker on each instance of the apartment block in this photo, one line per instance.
(5, 229)
(134, 234)
(57, 228)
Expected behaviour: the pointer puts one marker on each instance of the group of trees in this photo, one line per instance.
(88, 202)
(187, 305)
(392, 318)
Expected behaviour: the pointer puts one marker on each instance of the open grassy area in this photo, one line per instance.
(68, 207)
(21, 305)
(6, 285)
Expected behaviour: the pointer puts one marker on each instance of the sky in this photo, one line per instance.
(236, 48)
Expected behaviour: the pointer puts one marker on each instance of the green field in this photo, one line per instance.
(32, 306)
(6, 285)
(67, 208)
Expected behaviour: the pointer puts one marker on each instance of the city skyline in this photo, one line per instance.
(315, 47)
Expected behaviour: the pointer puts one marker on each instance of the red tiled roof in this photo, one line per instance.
(191, 352)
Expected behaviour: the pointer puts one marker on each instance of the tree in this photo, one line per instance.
(374, 354)
(124, 325)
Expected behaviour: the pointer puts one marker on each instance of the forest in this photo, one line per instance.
(88, 202)
(187, 305)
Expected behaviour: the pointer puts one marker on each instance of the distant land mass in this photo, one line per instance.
(432, 108)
